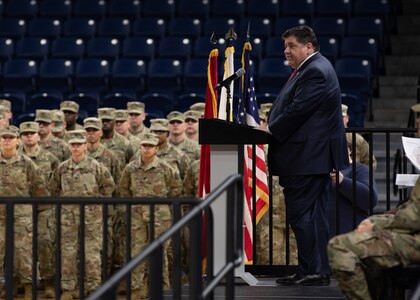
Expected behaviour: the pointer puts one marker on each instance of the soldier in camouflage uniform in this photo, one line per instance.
(71, 113)
(191, 122)
(113, 140)
(80, 176)
(8, 105)
(190, 181)
(19, 177)
(198, 107)
(47, 163)
(47, 141)
(57, 118)
(358, 259)
(149, 177)
(362, 146)
(3, 119)
(137, 115)
(178, 138)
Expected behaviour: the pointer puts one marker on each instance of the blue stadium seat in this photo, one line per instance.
(257, 47)
(36, 48)
(128, 75)
(83, 28)
(129, 9)
(367, 26)
(88, 103)
(164, 75)
(157, 103)
(329, 48)
(185, 27)
(298, 8)
(114, 27)
(46, 28)
(194, 8)
(228, 8)
(91, 75)
(149, 27)
(331, 27)
(55, 74)
(57, 9)
(258, 27)
(263, 8)
(153, 113)
(20, 74)
(18, 100)
(273, 74)
(12, 28)
(139, 47)
(284, 23)
(274, 47)
(356, 109)
(219, 25)
(68, 47)
(334, 8)
(266, 97)
(186, 100)
(95, 9)
(372, 8)
(23, 117)
(117, 100)
(103, 47)
(159, 8)
(175, 47)
(44, 100)
(7, 49)
(202, 46)
(25, 9)
(363, 47)
(195, 75)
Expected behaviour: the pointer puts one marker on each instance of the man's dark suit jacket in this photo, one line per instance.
(308, 135)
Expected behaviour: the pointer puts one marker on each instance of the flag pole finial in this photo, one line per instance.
(231, 36)
(213, 39)
(248, 34)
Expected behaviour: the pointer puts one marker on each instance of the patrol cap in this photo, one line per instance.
(58, 119)
(199, 106)
(29, 127)
(344, 110)
(266, 106)
(10, 130)
(94, 123)
(76, 136)
(135, 107)
(121, 115)
(69, 106)
(159, 124)
(175, 116)
(416, 108)
(106, 113)
(6, 103)
(3, 111)
(191, 115)
(43, 115)
(149, 138)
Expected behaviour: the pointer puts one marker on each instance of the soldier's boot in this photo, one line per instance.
(66, 296)
(49, 289)
(28, 292)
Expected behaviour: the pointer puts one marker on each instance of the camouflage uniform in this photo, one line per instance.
(58, 120)
(19, 177)
(71, 107)
(88, 178)
(156, 179)
(362, 149)
(358, 259)
(191, 179)
(136, 107)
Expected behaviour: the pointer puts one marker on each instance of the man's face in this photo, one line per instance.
(108, 125)
(136, 120)
(176, 127)
(8, 142)
(44, 128)
(345, 120)
(162, 135)
(29, 139)
(295, 52)
(121, 126)
(191, 126)
(93, 135)
(147, 151)
(70, 117)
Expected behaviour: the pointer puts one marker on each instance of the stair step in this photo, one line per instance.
(393, 102)
(398, 80)
(400, 91)
(403, 65)
(408, 24)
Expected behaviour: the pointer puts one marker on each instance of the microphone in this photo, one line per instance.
(225, 83)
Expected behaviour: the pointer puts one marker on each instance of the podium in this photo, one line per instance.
(226, 144)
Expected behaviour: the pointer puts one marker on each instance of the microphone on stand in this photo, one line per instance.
(225, 83)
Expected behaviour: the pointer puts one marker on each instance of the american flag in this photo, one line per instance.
(248, 114)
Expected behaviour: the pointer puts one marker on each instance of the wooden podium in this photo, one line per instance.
(227, 141)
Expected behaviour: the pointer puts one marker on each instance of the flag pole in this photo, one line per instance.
(230, 37)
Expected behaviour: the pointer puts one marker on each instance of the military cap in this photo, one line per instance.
(149, 138)
(416, 108)
(121, 115)
(10, 130)
(6, 103)
(175, 116)
(94, 123)
(69, 106)
(192, 114)
(266, 106)
(58, 120)
(135, 107)
(3, 111)
(262, 114)
(199, 106)
(159, 124)
(29, 127)
(43, 115)
(76, 136)
(106, 113)
(344, 110)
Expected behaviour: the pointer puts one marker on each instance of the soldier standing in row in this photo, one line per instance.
(71, 113)
(80, 176)
(8, 109)
(191, 121)
(59, 123)
(137, 115)
(19, 177)
(149, 176)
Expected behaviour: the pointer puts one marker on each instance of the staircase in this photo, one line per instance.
(398, 90)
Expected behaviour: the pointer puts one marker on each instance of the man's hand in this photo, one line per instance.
(365, 226)
(333, 177)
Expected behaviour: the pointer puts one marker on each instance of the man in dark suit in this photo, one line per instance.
(307, 142)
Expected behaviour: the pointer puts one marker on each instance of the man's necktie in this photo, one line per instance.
(291, 75)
